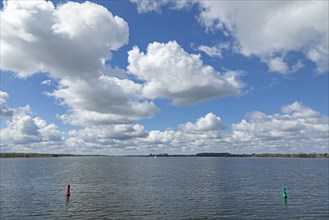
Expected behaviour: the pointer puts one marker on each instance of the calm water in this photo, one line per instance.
(164, 188)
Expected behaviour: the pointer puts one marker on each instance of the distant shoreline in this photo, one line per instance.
(268, 155)
(39, 155)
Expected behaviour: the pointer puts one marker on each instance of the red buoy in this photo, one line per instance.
(68, 190)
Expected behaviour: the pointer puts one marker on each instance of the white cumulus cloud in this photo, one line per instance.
(266, 27)
(297, 128)
(103, 100)
(104, 134)
(277, 64)
(4, 110)
(152, 5)
(71, 42)
(168, 71)
(203, 135)
(209, 122)
(29, 133)
(263, 28)
(68, 41)
(214, 51)
(147, 5)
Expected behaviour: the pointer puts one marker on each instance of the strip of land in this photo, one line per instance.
(35, 155)
(278, 155)
(298, 155)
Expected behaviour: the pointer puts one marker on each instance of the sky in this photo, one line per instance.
(176, 77)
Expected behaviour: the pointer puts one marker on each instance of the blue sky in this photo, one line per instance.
(139, 77)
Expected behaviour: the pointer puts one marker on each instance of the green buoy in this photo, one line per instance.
(284, 193)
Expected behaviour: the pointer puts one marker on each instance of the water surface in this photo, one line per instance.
(163, 188)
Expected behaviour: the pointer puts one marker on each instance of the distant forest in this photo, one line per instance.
(299, 155)
(19, 155)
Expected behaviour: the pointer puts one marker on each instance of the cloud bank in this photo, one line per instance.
(296, 128)
(27, 133)
(266, 29)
